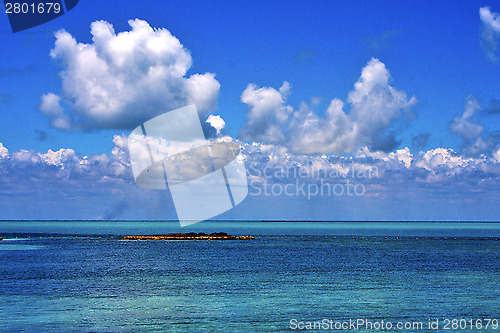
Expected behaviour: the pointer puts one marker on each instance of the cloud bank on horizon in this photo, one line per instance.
(400, 175)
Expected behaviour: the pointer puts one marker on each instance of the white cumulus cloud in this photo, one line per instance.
(122, 79)
(216, 122)
(375, 106)
(267, 113)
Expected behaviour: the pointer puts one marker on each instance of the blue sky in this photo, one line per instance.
(442, 56)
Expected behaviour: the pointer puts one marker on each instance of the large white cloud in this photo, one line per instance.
(490, 31)
(375, 106)
(121, 80)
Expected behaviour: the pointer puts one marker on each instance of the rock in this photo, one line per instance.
(188, 236)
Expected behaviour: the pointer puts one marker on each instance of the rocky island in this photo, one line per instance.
(188, 236)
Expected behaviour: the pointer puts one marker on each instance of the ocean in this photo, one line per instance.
(79, 276)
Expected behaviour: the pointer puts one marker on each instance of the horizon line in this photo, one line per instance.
(254, 220)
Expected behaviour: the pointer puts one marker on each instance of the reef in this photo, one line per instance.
(188, 236)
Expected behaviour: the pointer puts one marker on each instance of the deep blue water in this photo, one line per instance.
(306, 271)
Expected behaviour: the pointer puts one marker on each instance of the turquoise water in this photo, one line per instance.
(101, 228)
(71, 283)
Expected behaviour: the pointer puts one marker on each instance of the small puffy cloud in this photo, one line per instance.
(490, 25)
(375, 107)
(122, 79)
(466, 125)
(470, 131)
(216, 122)
(50, 104)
